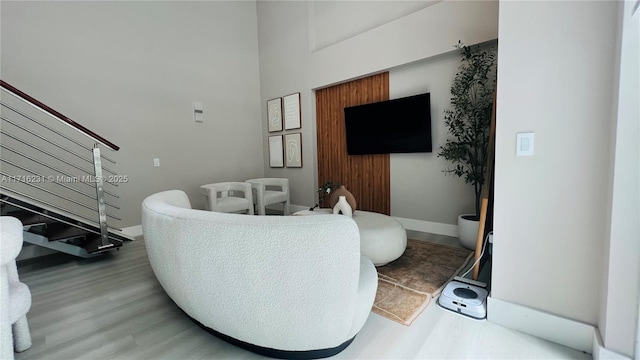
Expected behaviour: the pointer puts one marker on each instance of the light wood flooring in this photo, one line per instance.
(113, 308)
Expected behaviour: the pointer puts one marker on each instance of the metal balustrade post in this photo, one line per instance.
(43, 176)
(102, 212)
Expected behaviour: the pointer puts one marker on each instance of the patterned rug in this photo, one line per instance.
(407, 285)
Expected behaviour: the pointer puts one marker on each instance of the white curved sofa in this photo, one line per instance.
(281, 286)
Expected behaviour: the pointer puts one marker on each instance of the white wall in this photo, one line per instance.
(428, 193)
(555, 78)
(288, 32)
(618, 316)
(284, 52)
(130, 71)
(335, 21)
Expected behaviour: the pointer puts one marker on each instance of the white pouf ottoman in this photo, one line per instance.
(382, 238)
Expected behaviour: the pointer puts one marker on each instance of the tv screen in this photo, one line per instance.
(393, 126)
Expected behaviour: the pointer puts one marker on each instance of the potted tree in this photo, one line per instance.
(468, 124)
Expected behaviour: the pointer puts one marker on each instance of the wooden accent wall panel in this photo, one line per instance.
(367, 177)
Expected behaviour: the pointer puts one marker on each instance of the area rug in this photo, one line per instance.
(407, 285)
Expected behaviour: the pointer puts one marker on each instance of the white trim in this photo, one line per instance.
(601, 352)
(409, 224)
(571, 333)
(296, 208)
(133, 231)
(429, 227)
(30, 251)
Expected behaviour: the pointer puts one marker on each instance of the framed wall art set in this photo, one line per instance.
(283, 114)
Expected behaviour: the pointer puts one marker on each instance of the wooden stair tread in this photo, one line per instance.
(56, 227)
(29, 218)
(61, 231)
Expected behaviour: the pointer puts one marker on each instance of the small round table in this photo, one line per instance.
(382, 238)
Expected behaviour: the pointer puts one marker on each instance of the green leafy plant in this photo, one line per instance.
(325, 190)
(469, 119)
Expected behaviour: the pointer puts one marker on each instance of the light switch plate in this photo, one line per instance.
(524, 144)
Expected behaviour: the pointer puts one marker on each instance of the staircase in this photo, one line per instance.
(53, 179)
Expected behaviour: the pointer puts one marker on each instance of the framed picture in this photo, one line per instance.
(274, 114)
(276, 158)
(291, 105)
(293, 146)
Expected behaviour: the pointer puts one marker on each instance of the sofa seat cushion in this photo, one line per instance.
(233, 204)
(273, 196)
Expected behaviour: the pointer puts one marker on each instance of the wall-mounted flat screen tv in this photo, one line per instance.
(392, 126)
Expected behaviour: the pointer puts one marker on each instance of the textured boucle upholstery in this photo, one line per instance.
(294, 283)
(15, 297)
(217, 197)
(267, 191)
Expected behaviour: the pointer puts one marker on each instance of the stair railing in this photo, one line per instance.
(44, 163)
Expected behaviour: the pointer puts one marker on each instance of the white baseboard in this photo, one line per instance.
(601, 352)
(134, 231)
(296, 208)
(428, 226)
(30, 251)
(571, 333)
(567, 332)
(410, 224)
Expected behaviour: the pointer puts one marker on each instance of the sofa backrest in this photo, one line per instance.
(260, 279)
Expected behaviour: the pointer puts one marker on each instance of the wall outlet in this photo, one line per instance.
(156, 162)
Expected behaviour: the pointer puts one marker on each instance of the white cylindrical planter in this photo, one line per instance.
(468, 231)
(343, 206)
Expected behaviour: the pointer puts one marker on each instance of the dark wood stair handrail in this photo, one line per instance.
(60, 116)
